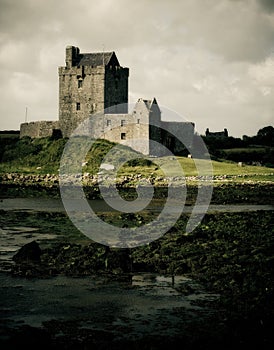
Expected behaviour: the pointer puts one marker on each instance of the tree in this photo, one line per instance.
(265, 136)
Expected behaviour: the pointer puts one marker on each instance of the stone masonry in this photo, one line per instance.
(39, 129)
(89, 83)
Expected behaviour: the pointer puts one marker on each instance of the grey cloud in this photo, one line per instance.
(185, 53)
(267, 5)
(229, 28)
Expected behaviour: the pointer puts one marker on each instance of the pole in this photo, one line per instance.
(103, 55)
(104, 111)
(26, 115)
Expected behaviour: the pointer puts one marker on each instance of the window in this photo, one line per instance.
(108, 122)
(123, 136)
(123, 122)
(78, 106)
(80, 84)
(138, 121)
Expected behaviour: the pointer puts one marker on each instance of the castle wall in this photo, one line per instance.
(120, 128)
(172, 132)
(128, 129)
(83, 86)
(116, 88)
(38, 129)
(155, 135)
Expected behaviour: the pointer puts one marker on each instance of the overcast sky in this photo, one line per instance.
(212, 61)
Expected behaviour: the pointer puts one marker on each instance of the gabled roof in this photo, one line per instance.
(97, 59)
(148, 103)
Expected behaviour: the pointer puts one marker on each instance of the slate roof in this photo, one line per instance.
(95, 59)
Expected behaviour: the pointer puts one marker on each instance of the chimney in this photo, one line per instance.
(72, 53)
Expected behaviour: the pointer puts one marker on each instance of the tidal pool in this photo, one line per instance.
(144, 305)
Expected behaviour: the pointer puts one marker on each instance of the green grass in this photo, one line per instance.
(261, 149)
(231, 168)
(31, 156)
(189, 168)
(42, 156)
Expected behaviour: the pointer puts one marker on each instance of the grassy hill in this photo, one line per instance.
(43, 156)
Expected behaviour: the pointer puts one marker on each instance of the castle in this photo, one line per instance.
(94, 84)
(216, 134)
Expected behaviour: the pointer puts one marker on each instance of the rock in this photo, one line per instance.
(118, 261)
(30, 252)
(106, 166)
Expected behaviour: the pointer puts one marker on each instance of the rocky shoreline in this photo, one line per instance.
(51, 180)
(47, 186)
(231, 254)
(228, 251)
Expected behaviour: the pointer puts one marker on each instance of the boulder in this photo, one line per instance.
(30, 252)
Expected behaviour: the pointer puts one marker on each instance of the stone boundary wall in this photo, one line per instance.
(38, 129)
(49, 180)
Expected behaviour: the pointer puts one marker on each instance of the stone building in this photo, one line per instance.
(216, 134)
(96, 85)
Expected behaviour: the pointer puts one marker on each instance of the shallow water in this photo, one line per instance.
(12, 237)
(146, 304)
(98, 205)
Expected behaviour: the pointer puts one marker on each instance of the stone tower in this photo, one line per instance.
(90, 83)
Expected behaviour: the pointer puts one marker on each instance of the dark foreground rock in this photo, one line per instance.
(29, 253)
(70, 259)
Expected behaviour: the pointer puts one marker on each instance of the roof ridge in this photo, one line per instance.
(96, 58)
(97, 52)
